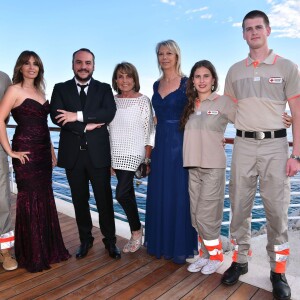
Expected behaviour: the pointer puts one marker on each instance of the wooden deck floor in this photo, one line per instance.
(134, 276)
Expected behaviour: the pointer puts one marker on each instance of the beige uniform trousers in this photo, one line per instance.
(5, 204)
(206, 189)
(263, 160)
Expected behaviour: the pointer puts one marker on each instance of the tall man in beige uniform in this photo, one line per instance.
(7, 237)
(262, 84)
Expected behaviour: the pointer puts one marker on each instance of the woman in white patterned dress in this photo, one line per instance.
(131, 139)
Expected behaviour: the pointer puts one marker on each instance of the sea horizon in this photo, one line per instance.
(140, 188)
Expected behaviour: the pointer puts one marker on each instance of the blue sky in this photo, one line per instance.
(118, 30)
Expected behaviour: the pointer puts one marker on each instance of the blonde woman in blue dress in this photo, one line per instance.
(169, 232)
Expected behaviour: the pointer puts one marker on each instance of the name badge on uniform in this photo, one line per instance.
(275, 80)
(257, 78)
(212, 112)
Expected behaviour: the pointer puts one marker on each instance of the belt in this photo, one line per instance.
(83, 143)
(260, 135)
(83, 147)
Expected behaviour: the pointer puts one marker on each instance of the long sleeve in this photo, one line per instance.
(107, 111)
(58, 101)
(148, 122)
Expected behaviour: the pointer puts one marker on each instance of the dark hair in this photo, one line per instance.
(256, 14)
(18, 77)
(130, 70)
(85, 50)
(191, 92)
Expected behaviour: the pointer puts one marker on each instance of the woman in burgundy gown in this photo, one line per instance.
(38, 239)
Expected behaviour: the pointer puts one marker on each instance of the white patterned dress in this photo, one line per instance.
(130, 131)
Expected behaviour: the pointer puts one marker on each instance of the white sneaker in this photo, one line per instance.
(198, 265)
(191, 260)
(211, 267)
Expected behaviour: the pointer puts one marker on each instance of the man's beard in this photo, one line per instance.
(83, 79)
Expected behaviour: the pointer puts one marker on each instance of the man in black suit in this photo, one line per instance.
(82, 107)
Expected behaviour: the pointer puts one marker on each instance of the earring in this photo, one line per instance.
(194, 89)
(212, 87)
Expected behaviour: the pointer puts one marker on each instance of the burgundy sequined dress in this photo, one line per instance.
(38, 239)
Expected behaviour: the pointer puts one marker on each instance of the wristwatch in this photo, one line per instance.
(147, 161)
(297, 157)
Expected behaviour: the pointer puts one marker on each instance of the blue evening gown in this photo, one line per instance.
(169, 232)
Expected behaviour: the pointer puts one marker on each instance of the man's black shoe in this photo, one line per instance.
(281, 288)
(84, 248)
(113, 251)
(232, 274)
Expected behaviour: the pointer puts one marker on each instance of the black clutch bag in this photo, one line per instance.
(141, 171)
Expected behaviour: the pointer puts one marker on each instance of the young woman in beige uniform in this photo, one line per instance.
(205, 119)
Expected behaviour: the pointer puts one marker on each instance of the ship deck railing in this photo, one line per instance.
(139, 275)
(119, 214)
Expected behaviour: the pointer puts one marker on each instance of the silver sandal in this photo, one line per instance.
(135, 244)
(126, 248)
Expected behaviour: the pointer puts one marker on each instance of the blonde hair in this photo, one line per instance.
(172, 45)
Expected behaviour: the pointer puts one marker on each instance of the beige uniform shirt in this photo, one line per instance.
(262, 91)
(204, 132)
(5, 82)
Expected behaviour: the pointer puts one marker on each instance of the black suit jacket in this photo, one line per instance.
(100, 107)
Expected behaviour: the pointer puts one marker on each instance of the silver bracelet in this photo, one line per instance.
(297, 157)
(147, 161)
